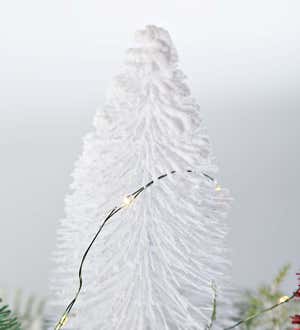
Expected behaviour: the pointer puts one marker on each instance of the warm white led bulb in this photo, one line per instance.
(283, 299)
(62, 322)
(127, 201)
(218, 187)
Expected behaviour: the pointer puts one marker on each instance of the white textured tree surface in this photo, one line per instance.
(153, 264)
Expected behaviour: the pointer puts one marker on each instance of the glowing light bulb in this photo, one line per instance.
(62, 322)
(127, 201)
(218, 187)
(283, 299)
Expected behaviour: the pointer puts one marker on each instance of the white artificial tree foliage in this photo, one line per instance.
(153, 264)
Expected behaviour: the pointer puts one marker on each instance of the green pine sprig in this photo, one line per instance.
(252, 303)
(7, 320)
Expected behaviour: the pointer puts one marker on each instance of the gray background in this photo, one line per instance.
(242, 59)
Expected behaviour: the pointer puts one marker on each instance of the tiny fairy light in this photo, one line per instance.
(63, 320)
(127, 201)
(218, 187)
(254, 316)
(283, 299)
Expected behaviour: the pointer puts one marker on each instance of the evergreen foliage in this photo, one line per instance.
(7, 320)
(253, 301)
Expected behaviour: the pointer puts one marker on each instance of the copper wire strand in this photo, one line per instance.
(255, 315)
(62, 321)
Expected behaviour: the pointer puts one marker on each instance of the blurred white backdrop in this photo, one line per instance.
(57, 59)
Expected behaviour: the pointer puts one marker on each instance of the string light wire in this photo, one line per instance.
(128, 200)
(255, 315)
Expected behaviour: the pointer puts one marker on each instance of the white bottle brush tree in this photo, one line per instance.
(153, 264)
